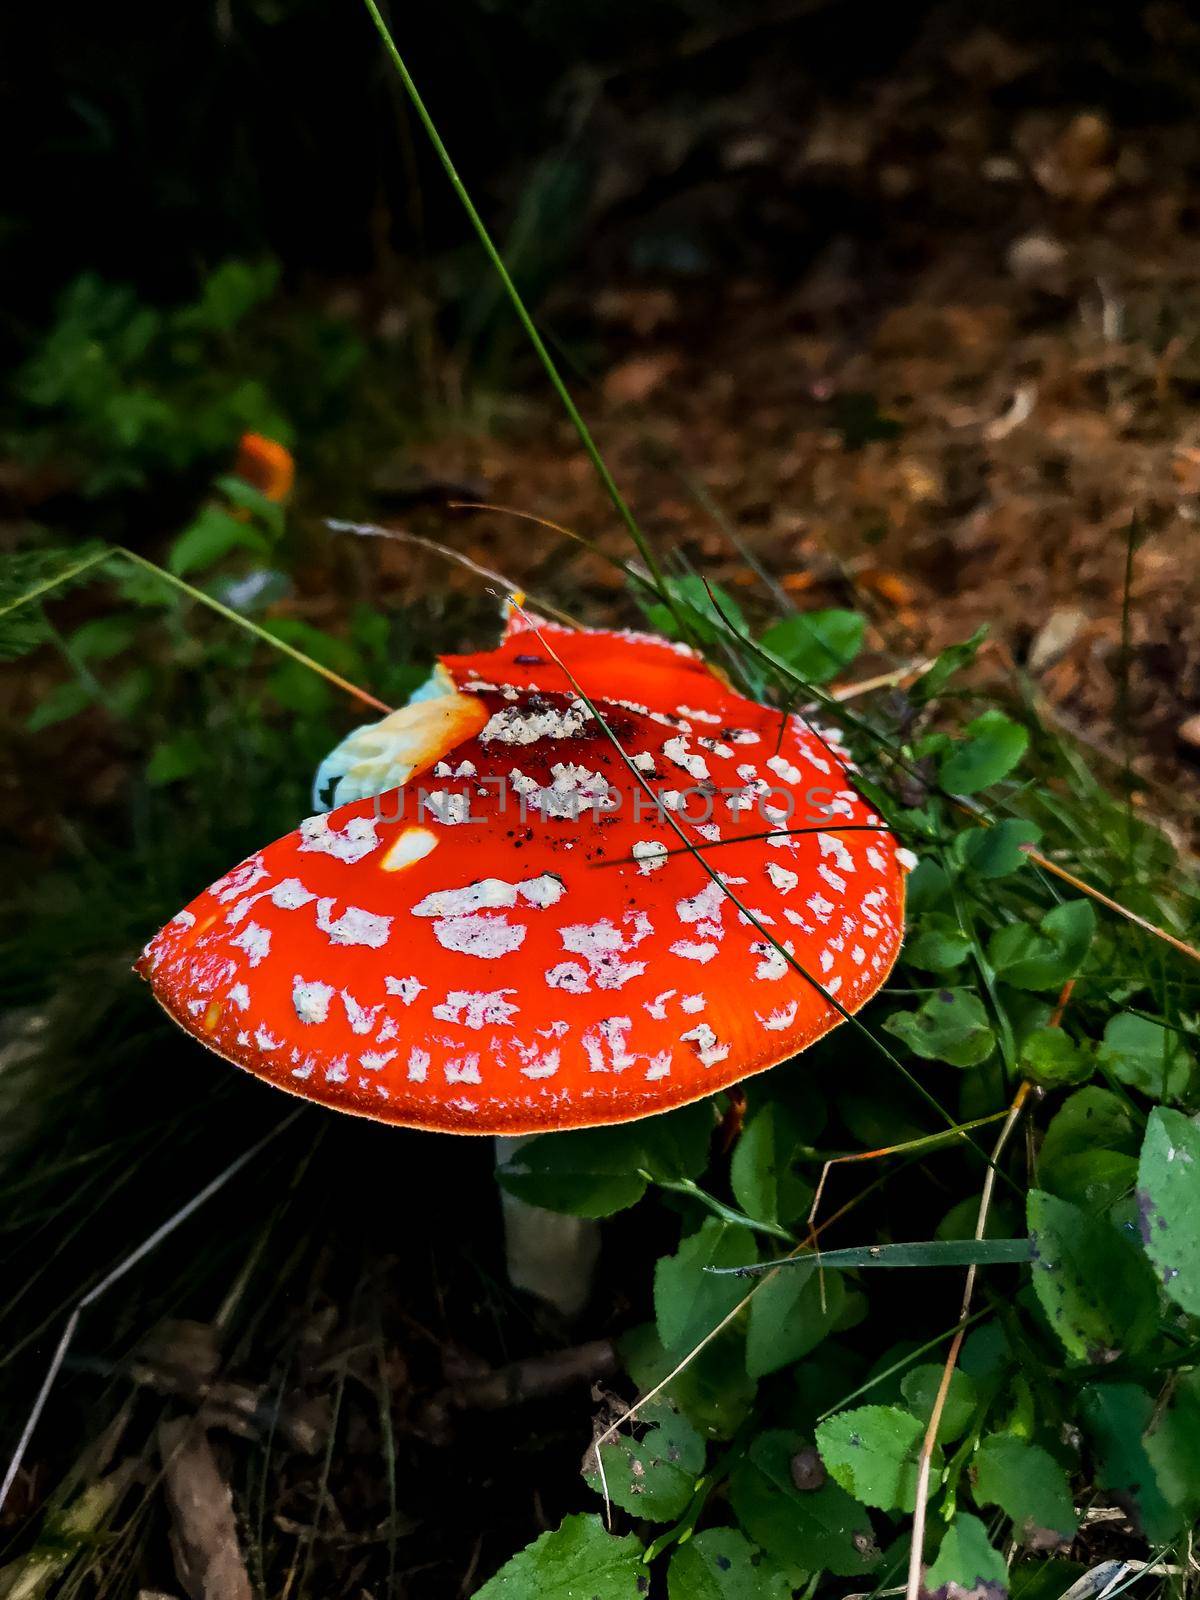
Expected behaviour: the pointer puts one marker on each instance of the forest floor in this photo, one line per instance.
(961, 409)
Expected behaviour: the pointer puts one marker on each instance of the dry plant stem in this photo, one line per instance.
(118, 1272)
(249, 627)
(1047, 865)
(899, 678)
(372, 530)
(921, 1506)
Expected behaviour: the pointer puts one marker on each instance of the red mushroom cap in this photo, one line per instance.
(508, 945)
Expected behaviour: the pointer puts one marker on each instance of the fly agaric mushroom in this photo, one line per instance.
(498, 928)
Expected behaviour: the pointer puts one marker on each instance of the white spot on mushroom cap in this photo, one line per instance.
(311, 999)
(692, 950)
(484, 936)
(782, 877)
(354, 926)
(491, 894)
(349, 844)
(707, 1046)
(650, 854)
(475, 1008)
(255, 941)
(407, 988)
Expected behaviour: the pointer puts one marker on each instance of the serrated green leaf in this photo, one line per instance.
(1116, 1416)
(722, 1564)
(951, 1026)
(713, 1390)
(1027, 1484)
(1045, 957)
(591, 1173)
(1093, 1119)
(1169, 1204)
(992, 748)
(872, 1452)
(816, 645)
(919, 1388)
(787, 1318)
(1172, 1442)
(806, 1530)
(1094, 1285)
(762, 1173)
(574, 1560)
(1053, 1060)
(651, 1470)
(598, 1171)
(967, 1566)
(688, 1301)
(1146, 1056)
(1092, 1179)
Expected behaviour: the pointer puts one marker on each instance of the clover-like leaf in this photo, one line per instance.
(872, 1452)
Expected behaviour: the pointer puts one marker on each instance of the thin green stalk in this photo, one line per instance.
(252, 628)
(523, 317)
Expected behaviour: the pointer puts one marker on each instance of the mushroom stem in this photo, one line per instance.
(549, 1255)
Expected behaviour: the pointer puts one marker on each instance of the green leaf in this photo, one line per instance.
(176, 758)
(953, 659)
(692, 598)
(992, 749)
(807, 1530)
(713, 1391)
(787, 1319)
(689, 1302)
(208, 539)
(939, 945)
(1145, 1056)
(872, 1452)
(598, 1171)
(920, 1386)
(1045, 957)
(951, 1026)
(1172, 1443)
(675, 1143)
(1093, 1179)
(575, 1560)
(1169, 1204)
(816, 645)
(591, 1173)
(269, 513)
(1052, 1059)
(1116, 1416)
(1093, 1119)
(1094, 1286)
(996, 852)
(763, 1174)
(966, 1565)
(102, 638)
(1027, 1484)
(64, 701)
(721, 1564)
(654, 1474)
